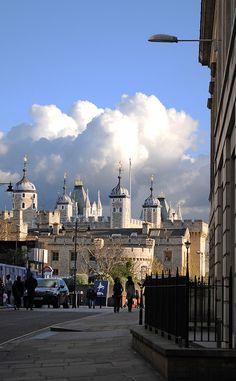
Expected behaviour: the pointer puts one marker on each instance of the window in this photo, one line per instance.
(33, 206)
(120, 209)
(23, 205)
(72, 256)
(23, 194)
(55, 256)
(55, 272)
(167, 256)
(114, 209)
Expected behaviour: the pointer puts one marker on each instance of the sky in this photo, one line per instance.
(82, 89)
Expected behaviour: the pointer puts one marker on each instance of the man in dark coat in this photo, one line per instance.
(18, 291)
(91, 296)
(117, 294)
(30, 285)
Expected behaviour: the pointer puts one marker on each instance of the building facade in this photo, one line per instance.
(218, 51)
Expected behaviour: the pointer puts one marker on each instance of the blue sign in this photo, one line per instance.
(101, 287)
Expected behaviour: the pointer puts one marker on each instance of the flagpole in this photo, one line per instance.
(130, 183)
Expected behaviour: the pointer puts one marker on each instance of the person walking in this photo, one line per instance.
(130, 292)
(30, 285)
(18, 291)
(1, 291)
(91, 296)
(8, 288)
(117, 294)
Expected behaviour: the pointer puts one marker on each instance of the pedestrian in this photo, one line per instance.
(1, 292)
(91, 296)
(18, 291)
(8, 288)
(30, 285)
(130, 292)
(117, 294)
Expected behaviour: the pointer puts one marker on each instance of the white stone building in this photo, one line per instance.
(25, 198)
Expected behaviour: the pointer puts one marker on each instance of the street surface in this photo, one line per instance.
(94, 348)
(18, 323)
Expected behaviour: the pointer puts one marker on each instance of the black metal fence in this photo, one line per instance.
(189, 310)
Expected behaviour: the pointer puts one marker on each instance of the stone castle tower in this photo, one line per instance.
(65, 205)
(152, 209)
(119, 206)
(25, 198)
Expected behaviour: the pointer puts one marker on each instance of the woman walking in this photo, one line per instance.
(130, 292)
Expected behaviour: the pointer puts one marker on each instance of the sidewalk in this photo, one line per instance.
(95, 348)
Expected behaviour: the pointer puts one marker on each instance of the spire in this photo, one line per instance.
(120, 169)
(99, 201)
(179, 212)
(130, 181)
(64, 186)
(170, 215)
(25, 165)
(87, 203)
(151, 188)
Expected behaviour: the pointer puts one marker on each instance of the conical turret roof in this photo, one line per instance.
(24, 185)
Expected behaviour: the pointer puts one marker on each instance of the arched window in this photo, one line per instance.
(23, 194)
(23, 205)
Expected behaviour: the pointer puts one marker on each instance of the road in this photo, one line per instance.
(19, 323)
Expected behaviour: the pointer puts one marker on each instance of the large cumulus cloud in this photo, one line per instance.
(89, 142)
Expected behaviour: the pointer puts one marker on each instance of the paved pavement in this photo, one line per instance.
(93, 348)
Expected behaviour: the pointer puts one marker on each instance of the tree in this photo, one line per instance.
(108, 262)
(80, 279)
(157, 266)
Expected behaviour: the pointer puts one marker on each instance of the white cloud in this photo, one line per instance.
(91, 141)
(51, 123)
(3, 147)
(83, 112)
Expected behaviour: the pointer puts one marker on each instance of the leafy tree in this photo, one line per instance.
(108, 263)
(80, 279)
(157, 266)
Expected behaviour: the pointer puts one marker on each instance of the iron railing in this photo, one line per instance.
(189, 310)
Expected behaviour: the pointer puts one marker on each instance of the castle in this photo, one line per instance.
(160, 234)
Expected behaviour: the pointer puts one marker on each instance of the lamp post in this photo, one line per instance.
(75, 264)
(187, 245)
(9, 188)
(202, 267)
(169, 39)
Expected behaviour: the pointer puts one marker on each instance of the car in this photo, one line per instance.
(51, 291)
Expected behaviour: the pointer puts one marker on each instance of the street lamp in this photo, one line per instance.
(187, 245)
(168, 38)
(202, 267)
(9, 188)
(75, 264)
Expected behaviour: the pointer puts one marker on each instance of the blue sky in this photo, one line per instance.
(59, 52)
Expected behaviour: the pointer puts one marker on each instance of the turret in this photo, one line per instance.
(119, 205)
